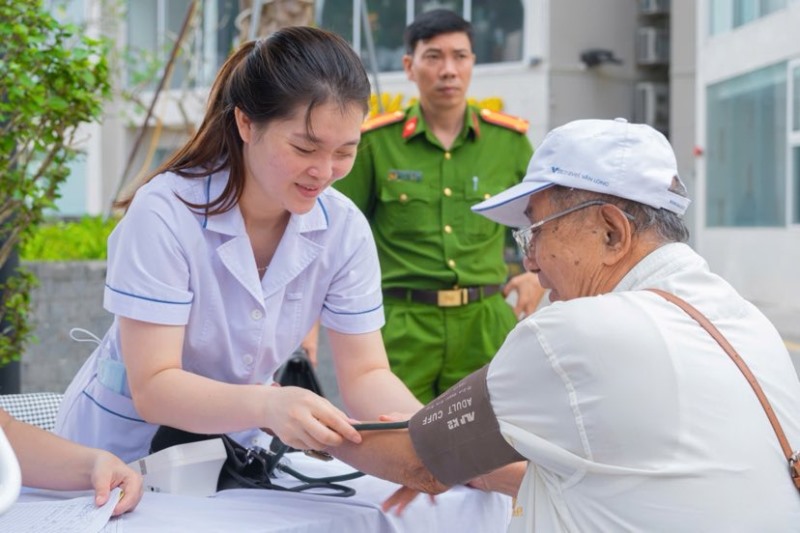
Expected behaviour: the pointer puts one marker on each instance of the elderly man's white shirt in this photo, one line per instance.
(170, 265)
(634, 419)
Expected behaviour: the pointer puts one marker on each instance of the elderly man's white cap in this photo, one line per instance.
(632, 161)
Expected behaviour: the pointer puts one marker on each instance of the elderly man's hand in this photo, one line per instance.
(401, 498)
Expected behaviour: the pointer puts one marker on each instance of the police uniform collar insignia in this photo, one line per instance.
(410, 127)
(476, 124)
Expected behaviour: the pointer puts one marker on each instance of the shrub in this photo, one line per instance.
(53, 78)
(80, 240)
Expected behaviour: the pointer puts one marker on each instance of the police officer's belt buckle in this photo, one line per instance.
(452, 298)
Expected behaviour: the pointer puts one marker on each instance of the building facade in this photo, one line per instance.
(720, 77)
(747, 133)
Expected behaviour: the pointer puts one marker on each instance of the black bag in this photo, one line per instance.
(254, 468)
(298, 372)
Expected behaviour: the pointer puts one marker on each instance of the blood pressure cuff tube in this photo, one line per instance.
(457, 436)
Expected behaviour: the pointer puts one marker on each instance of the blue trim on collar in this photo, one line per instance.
(208, 199)
(324, 211)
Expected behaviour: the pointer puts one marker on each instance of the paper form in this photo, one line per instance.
(79, 515)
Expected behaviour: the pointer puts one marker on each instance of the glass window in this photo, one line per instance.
(746, 149)
(796, 99)
(744, 11)
(387, 19)
(720, 16)
(796, 185)
(768, 6)
(72, 192)
(153, 28)
(497, 27)
(67, 11)
(724, 15)
(174, 11)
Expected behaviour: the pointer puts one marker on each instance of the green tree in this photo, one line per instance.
(53, 78)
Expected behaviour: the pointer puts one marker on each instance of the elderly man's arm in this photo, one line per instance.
(389, 455)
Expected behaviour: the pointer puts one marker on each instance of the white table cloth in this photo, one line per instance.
(460, 509)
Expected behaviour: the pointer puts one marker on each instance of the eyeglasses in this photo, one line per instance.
(525, 236)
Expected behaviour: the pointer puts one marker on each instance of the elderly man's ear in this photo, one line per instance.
(617, 233)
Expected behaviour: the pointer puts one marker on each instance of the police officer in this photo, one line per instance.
(416, 175)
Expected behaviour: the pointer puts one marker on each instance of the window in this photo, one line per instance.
(497, 26)
(795, 98)
(796, 185)
(72, 193)
(154, 26)
(67, 11)
(746, 155)
(794, 141)
(725, 15)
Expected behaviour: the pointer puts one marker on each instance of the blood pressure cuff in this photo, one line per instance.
(457, 435)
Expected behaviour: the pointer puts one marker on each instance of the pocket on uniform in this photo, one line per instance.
(406, 209)
(478, 225)
(108, 420)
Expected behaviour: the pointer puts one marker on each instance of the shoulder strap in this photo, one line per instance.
(380, 121)
(792, 457)
(504, 120)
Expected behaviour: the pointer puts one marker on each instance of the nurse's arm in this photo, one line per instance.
(164, 393)
(368, 387)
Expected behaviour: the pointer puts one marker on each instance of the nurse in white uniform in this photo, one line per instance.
(228, 255)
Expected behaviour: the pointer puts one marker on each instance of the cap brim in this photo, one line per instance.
(508, 207)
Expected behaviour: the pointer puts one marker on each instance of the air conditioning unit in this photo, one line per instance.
(651, 104)
(652, 46)
(653, 7)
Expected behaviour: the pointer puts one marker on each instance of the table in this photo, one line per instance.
(459, 509)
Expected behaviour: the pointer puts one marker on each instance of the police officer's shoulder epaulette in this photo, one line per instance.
(384, 119)
(506, 121)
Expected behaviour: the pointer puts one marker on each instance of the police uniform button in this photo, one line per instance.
(248, 359)
(256, 314)
(448, 229)
(451, 263)
(447, 155)
(404, 197)
(448, 191)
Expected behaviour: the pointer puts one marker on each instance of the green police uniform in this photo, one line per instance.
(442, 264)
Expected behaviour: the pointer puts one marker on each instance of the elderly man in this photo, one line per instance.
(629, 414)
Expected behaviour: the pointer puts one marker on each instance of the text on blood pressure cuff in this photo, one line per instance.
(457, 435)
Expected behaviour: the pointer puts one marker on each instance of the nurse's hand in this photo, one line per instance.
(306, 421)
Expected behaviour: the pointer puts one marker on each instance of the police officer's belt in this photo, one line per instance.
(445, 298)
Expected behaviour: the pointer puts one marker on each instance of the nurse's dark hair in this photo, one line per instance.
(271, 79)
(432, 23)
